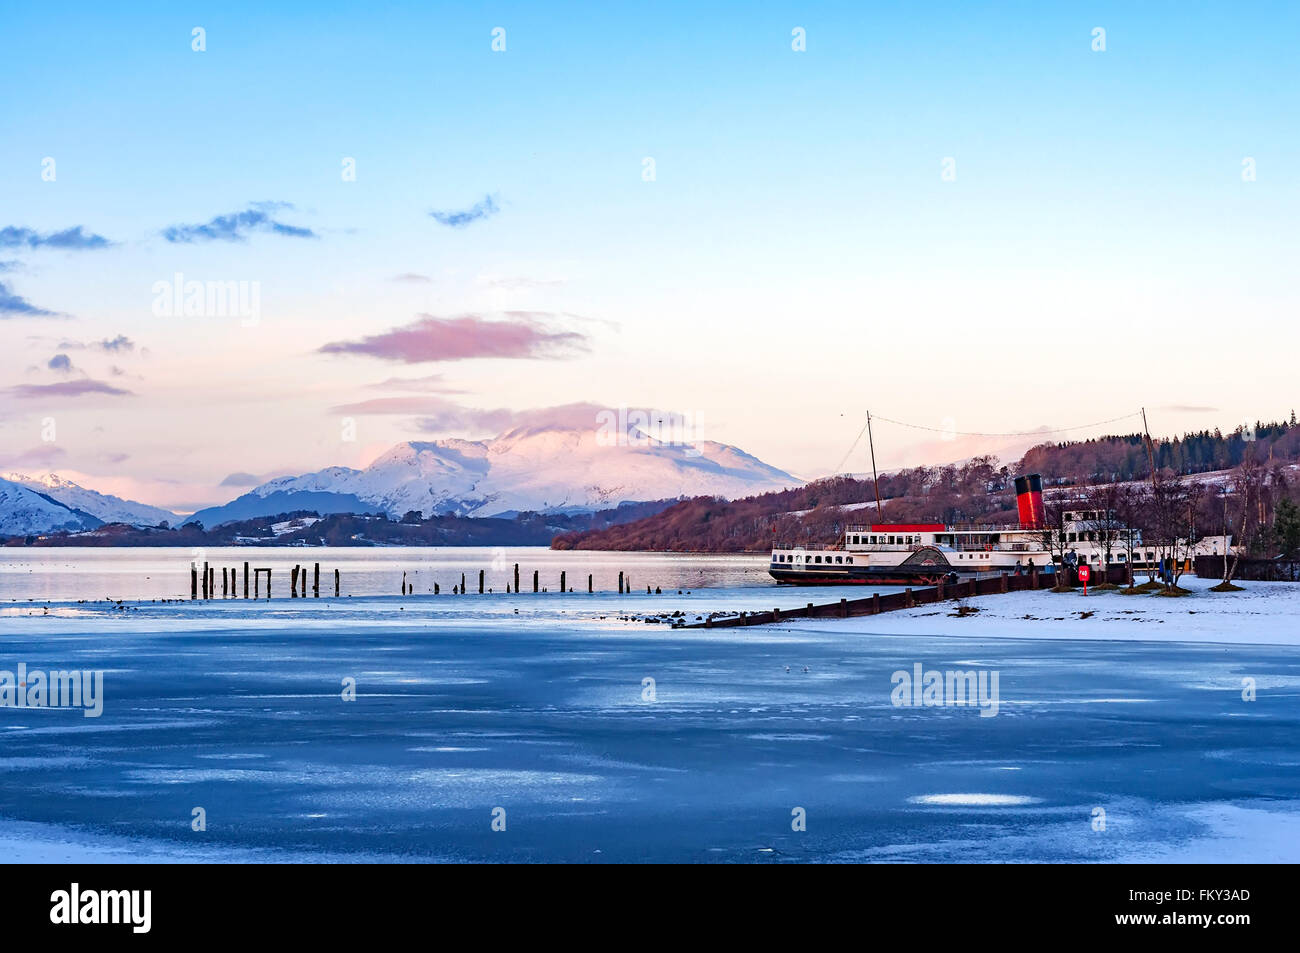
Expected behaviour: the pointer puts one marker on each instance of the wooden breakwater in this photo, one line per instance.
(256, 582)
(984, 585)
(203, 581)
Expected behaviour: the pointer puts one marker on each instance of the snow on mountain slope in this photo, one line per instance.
(103, 506)
(24, 511)
(561, 461)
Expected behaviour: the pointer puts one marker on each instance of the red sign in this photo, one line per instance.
(1084, 573)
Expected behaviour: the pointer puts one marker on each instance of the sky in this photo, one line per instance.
(965, 217)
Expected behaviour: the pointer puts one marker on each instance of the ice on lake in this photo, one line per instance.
(541, 705)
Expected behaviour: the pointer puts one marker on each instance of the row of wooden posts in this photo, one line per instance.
(203, 582)
(624, 584)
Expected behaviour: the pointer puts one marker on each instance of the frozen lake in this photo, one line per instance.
(71, 573)
(537, 704)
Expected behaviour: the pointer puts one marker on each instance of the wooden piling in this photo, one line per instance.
(534, 580)
(336, 582)
(403, 583)
(1003, 582)
(562, 586)
(844, 608)
(516, 577)
(194, 581)
(809, 612)
(480, 582)
(875, 603)
(589, 589)
(315, 581)
(293, 582)
(776, 615)
(620, 583)
(462, 584)
(246, 580)
(206, 584)
(907, 598)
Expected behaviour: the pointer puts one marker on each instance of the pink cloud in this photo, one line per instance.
(430, 338)
(76, 388)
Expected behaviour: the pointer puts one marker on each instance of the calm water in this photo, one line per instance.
(66, 574)
(464, 707)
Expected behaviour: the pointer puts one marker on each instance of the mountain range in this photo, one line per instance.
(549, 466)
(556, 463)
(48, 503)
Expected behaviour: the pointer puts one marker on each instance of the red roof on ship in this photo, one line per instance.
(907, 527)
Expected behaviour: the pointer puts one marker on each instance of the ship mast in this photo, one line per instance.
(874, 478)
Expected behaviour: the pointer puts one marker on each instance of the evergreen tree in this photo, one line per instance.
(1286, 528)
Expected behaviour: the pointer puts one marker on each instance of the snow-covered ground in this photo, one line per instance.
(1264, 613)
(540, 705)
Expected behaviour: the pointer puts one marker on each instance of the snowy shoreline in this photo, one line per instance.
(1263, 613)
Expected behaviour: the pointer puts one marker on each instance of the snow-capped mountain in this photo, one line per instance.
(24, 511)
(555, 463)
(102, 506)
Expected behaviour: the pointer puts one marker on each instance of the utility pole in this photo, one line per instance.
(1151, 456)
(874, 478)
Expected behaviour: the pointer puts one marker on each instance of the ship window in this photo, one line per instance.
(875, 539)
(855, 540)
(839, 559)
(848, 559)
(891, 540)
(817, 559)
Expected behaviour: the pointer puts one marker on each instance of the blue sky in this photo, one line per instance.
(797, 259)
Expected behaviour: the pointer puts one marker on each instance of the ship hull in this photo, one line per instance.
(876, 576)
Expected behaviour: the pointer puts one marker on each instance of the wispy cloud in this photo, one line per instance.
(522, 334)
(520, 284)
(485, 208)
(114, 345)
(412, 278)
(433, 384)
(76, 238)
(43, 456)
(78, 388)
(61, 363)
(241, 479)
(15, 305)
(11, 265)
(236, 227)
(450, 417)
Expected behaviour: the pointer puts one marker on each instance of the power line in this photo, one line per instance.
(966, 433)
(1019, 433)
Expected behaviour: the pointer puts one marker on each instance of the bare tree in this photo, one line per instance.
(1052, 536)
(1245, 487)
(1101, 519)
(1132, 503)
(1174, 502)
